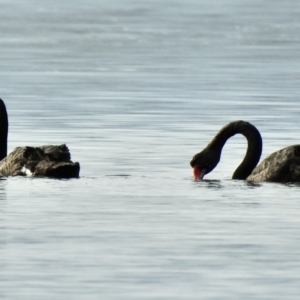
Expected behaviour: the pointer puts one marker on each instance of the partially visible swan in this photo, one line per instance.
(48, 160)
(281, 166)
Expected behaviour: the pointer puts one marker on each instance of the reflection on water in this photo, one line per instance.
(119, 175)
(210, 183)
(3, 184)
(253, 185)
(227, 183)
(135, 89)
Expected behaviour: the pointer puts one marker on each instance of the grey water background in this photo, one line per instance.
(135, 88)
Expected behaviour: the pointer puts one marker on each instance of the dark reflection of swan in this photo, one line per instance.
(48, 160)
(281, 166)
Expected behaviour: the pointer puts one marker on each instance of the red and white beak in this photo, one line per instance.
(198, 174)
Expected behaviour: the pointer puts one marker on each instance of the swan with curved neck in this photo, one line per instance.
(50, 161)
(281, 166)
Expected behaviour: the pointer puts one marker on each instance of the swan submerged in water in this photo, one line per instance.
(50, 161)
(282, 166)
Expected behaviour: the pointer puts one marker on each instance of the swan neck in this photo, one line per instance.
(254, 149)
(3, 130)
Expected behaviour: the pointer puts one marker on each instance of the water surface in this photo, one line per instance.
(135, 89)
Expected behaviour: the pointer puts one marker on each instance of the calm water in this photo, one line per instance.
(135, 88)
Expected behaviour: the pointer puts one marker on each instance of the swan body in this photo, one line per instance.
(48, 160)
(281, 166)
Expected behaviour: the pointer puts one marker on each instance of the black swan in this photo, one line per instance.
(48, 160)
(281, 166)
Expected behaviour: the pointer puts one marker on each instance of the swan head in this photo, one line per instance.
(204, 162)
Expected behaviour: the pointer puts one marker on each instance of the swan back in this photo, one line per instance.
(281, 166)
(48, 160)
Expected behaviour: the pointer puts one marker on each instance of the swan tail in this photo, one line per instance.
(57, 169)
